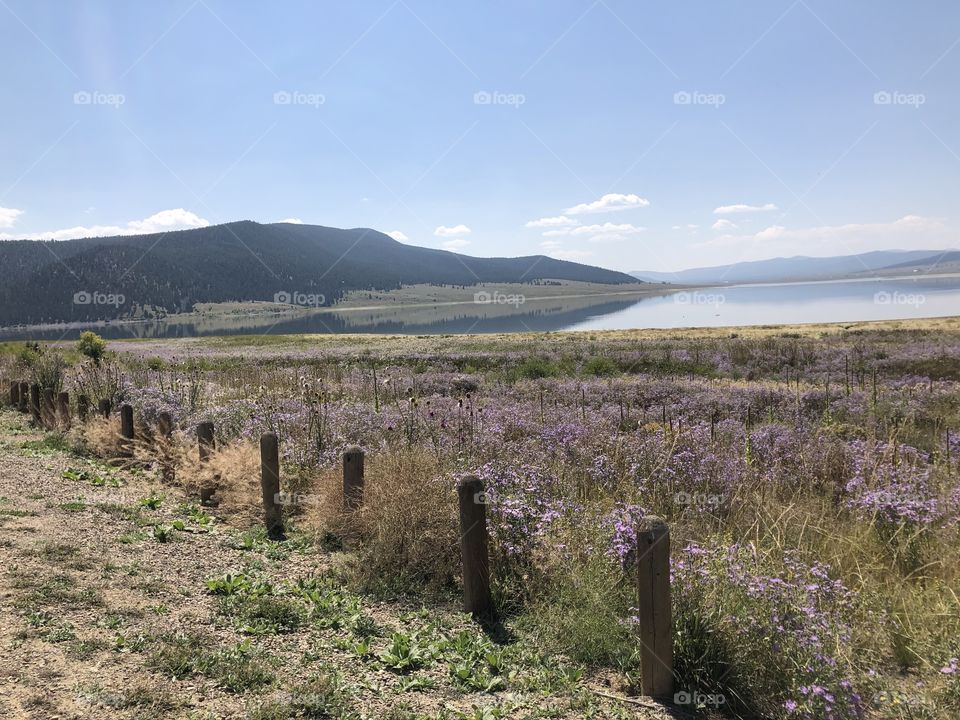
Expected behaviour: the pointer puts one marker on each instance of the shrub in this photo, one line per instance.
(600, 367)
(92, 345)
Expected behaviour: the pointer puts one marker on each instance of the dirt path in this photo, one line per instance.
(105, 612)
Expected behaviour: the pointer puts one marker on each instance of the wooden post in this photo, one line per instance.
(270, 484)
(653, 606)
(473, 547)
(63, 410)
(105, 407)
(126, 429)
(352, 478)
(165, 425)
(206, 444)
(24, 396)
(35, 403)
(14, 394)
(48, 410)
(83, 407)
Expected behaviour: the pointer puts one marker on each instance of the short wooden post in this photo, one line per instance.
(126, 429)
(83, 407)
(14, 393)
(105, 407)
(352, 478)
(206, 444)
(63, 410)
(24, 396)
(653, 605)
(270, 485)
(35, 403)
(473, 547)
(48, 409)
(165, 425)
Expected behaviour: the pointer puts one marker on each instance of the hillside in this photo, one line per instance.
(796, 268)
(170, 272)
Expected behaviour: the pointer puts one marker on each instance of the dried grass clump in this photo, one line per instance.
(233, 471)
(99, 436)
(408, 526)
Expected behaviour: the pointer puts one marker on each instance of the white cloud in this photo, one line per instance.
(292, 221)
(559, 221)
(455, 244)
(909, 232)
(163, 221)
(609, 203)
(574, 255)
(398, 236)
(689, 226)
(8, 217)
(607, 232)
(444, 231)
(723, 224)
(551, 245)
(741, 208)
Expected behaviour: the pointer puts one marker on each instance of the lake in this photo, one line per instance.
(737, 305)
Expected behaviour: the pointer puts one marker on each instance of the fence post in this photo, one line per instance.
(35, 403)
(24, 396)
(270, 485)
(473, 547)
(165, 425)
(63, 410)
(126, 429)
(14, 394)
(352, 478)
(48, 410)
(653, 605)
(206, 444)
(105, 407)
(83, 407)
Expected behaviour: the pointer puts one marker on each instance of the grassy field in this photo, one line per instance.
(809, 475)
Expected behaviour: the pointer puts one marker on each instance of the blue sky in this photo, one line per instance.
(629, 135)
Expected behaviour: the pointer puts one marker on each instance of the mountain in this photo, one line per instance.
(143, 275)
(798, 268)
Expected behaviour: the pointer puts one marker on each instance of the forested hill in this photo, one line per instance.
(81, 280)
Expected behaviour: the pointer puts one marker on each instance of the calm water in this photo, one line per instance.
(813, 302)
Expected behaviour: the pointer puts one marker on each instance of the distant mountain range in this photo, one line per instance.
(152, 275)
(881, 262)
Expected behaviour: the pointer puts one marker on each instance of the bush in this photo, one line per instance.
(92, 345)
(600, 367)
(537, 368)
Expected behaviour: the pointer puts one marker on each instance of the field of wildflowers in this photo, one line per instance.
(811, 481)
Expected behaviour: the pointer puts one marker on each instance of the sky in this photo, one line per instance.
(635, 136)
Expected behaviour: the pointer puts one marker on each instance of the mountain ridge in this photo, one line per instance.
(103, 278)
